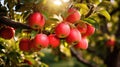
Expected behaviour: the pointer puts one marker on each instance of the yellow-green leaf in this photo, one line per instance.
(83, 11)
(96, 2)
(84, 6)
(105, 14)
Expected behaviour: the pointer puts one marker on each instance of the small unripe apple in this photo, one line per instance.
(53, 41)
(41, 41)
(90, 30)
(24, 44)
(83, 44)
(62, 30)
(74, 37)
(73, 15)
(7, 32)
(36, 20)
(82, 27)
(110, 42)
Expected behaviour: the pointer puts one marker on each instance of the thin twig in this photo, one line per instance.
(80, 59)
(92, 9)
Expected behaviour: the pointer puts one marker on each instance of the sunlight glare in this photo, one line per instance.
(66, 0)
(57, 2)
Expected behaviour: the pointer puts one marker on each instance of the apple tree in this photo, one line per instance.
(55, 33)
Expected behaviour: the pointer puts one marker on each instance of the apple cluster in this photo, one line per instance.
(75, 34)
(41, 40)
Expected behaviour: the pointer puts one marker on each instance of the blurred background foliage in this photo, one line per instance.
(103, 14)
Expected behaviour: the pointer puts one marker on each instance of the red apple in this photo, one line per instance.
(53, 41)
(82, 27)
(36, 20)
(33, 47)
(90, 30)
(110, 42)
(74, 37)
(73, 15)
(83, 44)
(41, 41)
(24, 44)
(7, 32)
(62, 30)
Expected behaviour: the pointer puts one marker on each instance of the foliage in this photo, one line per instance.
(102, 14)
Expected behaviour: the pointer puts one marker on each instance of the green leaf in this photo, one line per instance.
(18, 31)
(33, 33)
(105, 4)
(96, 1)
(44, 65)
(92, 21)
(105, 14)
(54, 19)
(84, 6)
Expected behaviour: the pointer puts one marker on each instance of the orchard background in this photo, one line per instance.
(15, 24)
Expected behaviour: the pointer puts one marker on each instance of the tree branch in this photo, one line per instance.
(80, 59)
(92, 9)
(13, 24)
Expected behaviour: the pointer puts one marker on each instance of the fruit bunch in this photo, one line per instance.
(70, 30)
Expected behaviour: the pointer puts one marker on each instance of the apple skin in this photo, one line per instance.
(90, 31)
(83, 44)
(62, 30)
(54, 41)
(110, 42)
(73, 15)
(7, 32)
(33, 47)
(41, 41)
(82, 27)
(74, 37)
(36, 20)
(24, 44)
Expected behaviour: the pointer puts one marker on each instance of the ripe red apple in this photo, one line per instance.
(41, 41)
(62, 30)
(82, 27)
(33, 47)
(74, 37)
(24, 44)
(53, 41)
(73, 15)
(7, 32)
(110, 42)
(36, 20)
(90, 30)
(83, 44)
